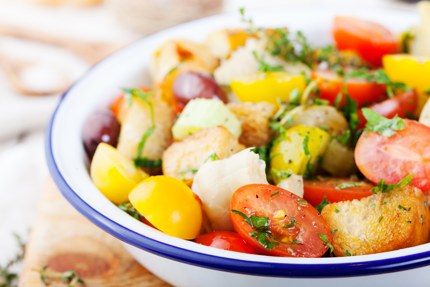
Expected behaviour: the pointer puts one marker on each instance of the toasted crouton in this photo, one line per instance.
(378, 223)
(255, 119)
(183, 159)
(138, 121)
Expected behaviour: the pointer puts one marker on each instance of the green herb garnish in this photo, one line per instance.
(69, 277)
(403, 208)
(344, 185)
(265, 67)
(379, 124)
(323, 203)
(306, 145)
(344, 138)
(385, 187)
(130, 210)
(324, 239)
(261, 227)
(279, 175)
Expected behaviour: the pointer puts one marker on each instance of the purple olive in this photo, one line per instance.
(192, 85)
(102, 126)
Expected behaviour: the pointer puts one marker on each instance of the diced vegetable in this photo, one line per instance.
(169, 205)
(205, 113)
(299, 150)
(270, 87)
(114, 174)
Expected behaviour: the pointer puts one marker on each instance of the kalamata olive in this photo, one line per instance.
(102, 126)
(192, 85)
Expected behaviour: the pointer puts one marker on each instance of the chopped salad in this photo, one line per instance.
(256, 141)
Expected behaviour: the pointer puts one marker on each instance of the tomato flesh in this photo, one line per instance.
(393, 158)
(226, 240)
(331, 189)
(369, 39)
(360, 90)
(294, 227)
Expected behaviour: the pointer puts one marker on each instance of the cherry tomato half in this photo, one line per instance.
(360, 90)
(402, 104)
(335, 190)
(393, 158)
(226, 240)
(278, 222)
(369, 39)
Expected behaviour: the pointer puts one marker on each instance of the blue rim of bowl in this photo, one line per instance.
(260, 268)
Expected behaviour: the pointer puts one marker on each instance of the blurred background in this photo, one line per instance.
(45, 45)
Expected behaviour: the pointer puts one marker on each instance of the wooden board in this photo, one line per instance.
(63, 239)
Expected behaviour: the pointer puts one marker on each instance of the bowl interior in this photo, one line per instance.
(128, 68)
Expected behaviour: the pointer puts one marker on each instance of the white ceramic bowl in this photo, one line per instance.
(184, 263)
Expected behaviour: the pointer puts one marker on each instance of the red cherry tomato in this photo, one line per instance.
(226, 240)
(278, 222)
(369, 39)
(402, 105)
(335, 190)
(360, 90)
(393, 158)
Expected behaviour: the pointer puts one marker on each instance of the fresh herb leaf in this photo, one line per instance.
(385, 187)
(306, 145)
(212, 157)
(323, 203)
(261, 227)
(309, 171)
(265, 67)
(345, 185)
(274, 194)
(380, 77)
(130, 210)
(349, 110)
(344, 138)
(379, 124)
(321, 102)
(289, 47)
(324, 239)
(147, 163)
(8, 277)
(291, 224)
(406, 41)
(279, 175)
(69, 277)
(143, 141)
(188, 170)
(302, 202)
(346, 252)
(404, 208)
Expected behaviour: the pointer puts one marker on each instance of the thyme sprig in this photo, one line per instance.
(9, 278)
(69, 277)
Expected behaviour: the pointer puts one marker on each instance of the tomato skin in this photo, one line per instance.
(361, 91)
(402, 104)
(315, 190)
(280, 206)
(369, 39)
(226, 240)
(393, 158)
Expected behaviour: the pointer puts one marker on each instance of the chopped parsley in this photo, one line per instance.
(380, 77)
(147, 163)
(279, 175)
(344, 138)
(324, 239)
(350, 112)
(130, 210)
(306, 145)
(345, 185)
(385, 187)
(403, 208)
(274, 194)
(302, 202)
(261, 227)
(346, 252)
(323, 203)
(379, 124)
(188, 170)
(291, 224)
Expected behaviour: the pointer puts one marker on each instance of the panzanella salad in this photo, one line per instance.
(256, 141)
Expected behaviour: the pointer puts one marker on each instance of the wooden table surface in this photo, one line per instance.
(63, 239)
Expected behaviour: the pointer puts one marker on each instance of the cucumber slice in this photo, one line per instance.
(205, 113)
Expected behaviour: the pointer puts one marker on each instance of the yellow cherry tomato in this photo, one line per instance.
(298, 150)
(169, 205)
(114, 174)
(412, 70)
(268, 87)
